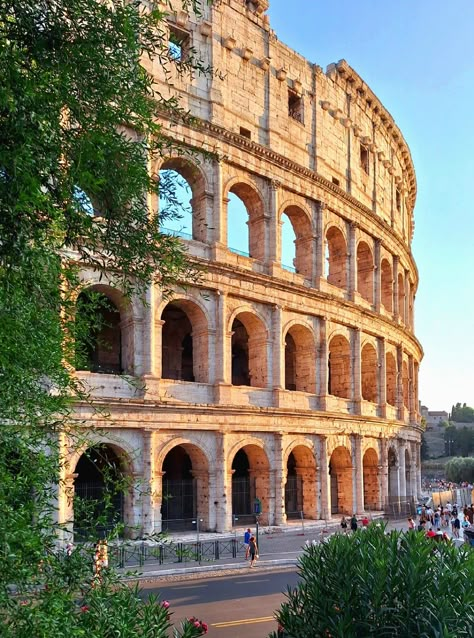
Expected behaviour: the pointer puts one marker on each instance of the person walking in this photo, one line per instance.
(354, 523)
(344, 524)
(247, 536)
(253, 551)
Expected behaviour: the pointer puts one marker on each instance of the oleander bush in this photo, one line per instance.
(374, 583)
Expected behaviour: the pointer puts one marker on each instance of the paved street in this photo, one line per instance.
(235, 606)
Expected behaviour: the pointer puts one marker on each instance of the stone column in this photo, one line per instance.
(203, 497)
(279, 480)
(411, 389)
(325, 481)
(356, 371)
(274, 253)
(382, 377)
(383, 473)
(222, 364)
(309, 497)
(400, 406)
(322, 363)
(396, 309)
(402, 479)
(357, 474)
(149, 487)
(223, 484)
(377, 275)
(219, 222)
(352, 261)
(407, 299)
(278, 355)
(158, 348)
(320, 216)
(148, 360)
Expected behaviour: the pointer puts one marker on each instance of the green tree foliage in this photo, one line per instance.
(462, 413)
(458, 441)
(79, 126)
(377, 584)
(461, 469)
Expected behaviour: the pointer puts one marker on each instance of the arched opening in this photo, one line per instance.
(369, 373)
(249, 351)
(250, 485)
(365, 272)
(401, 297)
(100, 345)
(185, 489)
(100, 494)
(337, 258)
(300, 364)
(339, 367)
(391, 378)
(296, 230)
(340, 470)
(245, 222)
(182, 201)
(386, 285)
(405, 385)
(393, 484)
(300, 487)
(184, 347)
(371, 480)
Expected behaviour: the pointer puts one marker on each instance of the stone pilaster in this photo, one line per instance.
(278, 354)
(377, 275)
(352, 283)
(322, 364)
(325, 497)
(400, 406)
(396, 309)
(411, 389)
(274, 225)
(280, 475)
(402, 470)
(320, 215)
(381, 377)
(383, 473)
(223, 485)
(357, 474)
(356, 371)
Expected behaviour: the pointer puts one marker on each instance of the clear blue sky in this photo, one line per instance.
(418, 58)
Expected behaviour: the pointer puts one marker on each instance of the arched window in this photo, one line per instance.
(182, 201)
(369, 373)
(391, 378)
(339, 377)
(246, 231)
(300, 360)
(387, 285)
(237, 226)
(337, 258)
(365, 272)
(249, 355)
(297, 242)
(98, 334)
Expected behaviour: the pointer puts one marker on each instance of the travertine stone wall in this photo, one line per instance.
(326, 357)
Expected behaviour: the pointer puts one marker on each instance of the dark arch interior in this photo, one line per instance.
(177, 349)
(99, 336)
(243, 490)
(240, 354)
(290, 361)
(99, 493)
(293, 490)
(178, 509)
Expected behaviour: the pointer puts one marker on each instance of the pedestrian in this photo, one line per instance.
(365, 521)
(411, 523)
(247, 536)
(456, 526)
(354, 523)
(253, 551)
(344, 524)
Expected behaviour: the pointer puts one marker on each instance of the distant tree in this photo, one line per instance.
(373, 584)
(460, 469)
(424, 448)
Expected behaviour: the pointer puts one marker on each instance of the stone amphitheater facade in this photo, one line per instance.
(297, 387)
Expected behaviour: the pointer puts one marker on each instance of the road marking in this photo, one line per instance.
(244, 621)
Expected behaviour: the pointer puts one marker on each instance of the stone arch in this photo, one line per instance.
(181, 178)
(369, 373)
(185, 341)
(340, 470)
(103, 490)
(249, 349)
(303, 253)
(370, 463)
(365, 272)
(300, 358)
(185, 485)
(405, 385)
(251, 198)
(401, 297)
(393, 482)
(300, 487)
(336, 257)
(105, 333)
(386, 283)
(391, 378)
(339, 367)
(250, 469)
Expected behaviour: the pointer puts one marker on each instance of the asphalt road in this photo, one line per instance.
(236, 606)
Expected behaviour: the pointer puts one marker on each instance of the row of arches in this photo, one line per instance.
(350, 370)
(186, 476)
(297, 244)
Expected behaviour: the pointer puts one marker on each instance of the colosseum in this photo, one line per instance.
(284, 382)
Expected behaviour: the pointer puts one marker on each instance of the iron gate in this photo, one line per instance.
(178, 508)
(294, 496)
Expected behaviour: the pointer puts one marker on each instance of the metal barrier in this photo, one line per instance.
(139, 554)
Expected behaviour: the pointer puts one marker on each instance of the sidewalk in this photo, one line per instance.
(278, 548)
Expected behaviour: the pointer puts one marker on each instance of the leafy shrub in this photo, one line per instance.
(376, 584)
(460, 469)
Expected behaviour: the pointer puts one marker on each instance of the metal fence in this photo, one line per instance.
(139, 554)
